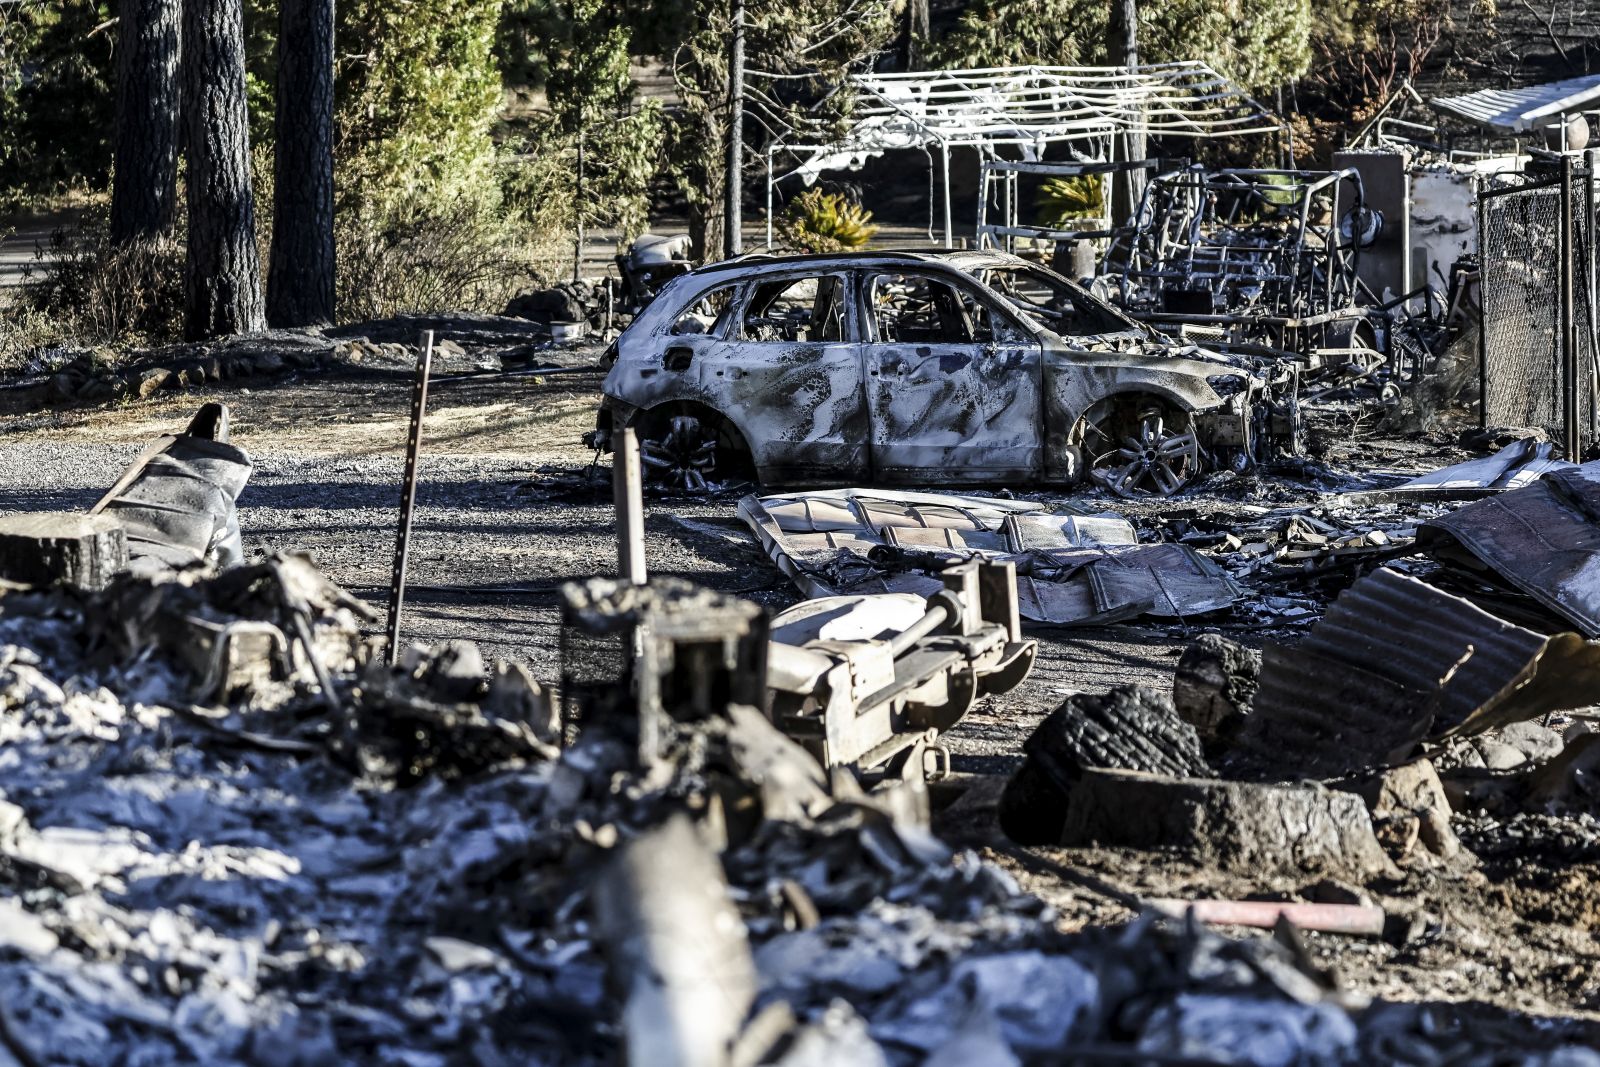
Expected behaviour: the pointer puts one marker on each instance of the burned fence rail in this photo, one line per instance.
(1539, 320)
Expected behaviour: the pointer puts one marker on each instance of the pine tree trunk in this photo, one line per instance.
(144, 180)
(223, 280)
(914, 33)
(300, 276)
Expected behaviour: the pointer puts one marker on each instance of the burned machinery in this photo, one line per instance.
(866, 682)
(1265, 257)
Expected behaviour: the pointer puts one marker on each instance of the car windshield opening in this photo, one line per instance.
(1053, 302)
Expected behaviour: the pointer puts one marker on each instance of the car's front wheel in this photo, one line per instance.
(1139, 446)
(691, 453)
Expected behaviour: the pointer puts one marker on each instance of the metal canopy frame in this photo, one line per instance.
(1026, 107)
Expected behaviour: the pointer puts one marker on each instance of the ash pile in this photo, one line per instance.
(232, 832)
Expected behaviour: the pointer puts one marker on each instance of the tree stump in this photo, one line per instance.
(54, 547)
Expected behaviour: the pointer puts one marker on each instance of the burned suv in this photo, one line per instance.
(926, 368)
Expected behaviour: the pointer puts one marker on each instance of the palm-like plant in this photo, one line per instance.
(816, 221)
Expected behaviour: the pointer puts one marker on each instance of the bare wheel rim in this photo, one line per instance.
(683, 457)
(1155, 458)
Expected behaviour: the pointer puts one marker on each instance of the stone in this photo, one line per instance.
(1534, 741)
(1409, 807)
(51, 547)
(1245, 828)
(1497, 755)
(153, 380)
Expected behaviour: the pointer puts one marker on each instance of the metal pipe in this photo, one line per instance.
(792, 669)
(627, 490)
(1591, 157)
(1362, 920)
(408, 496)
(939, 612)
(769, 197)
(949, 227)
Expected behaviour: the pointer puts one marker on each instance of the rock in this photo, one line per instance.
(1242, 827)
(1409, 807)
(1214, 685)
(1535, 742)
(1497, 755)
(153, 380)
(49, 547)
(268, 363)
(1131, 728)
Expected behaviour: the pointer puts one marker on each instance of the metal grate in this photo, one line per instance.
(1523, 347)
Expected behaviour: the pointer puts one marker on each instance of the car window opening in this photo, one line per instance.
(916, 309)
(795, 310)
(706, 315)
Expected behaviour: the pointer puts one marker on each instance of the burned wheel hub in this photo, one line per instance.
(681, 456)
(1159, 455)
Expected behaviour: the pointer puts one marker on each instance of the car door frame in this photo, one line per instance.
(1021, 461)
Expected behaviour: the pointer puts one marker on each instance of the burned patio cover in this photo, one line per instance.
(1026, 107)
(1532, 107)
(1074, 568)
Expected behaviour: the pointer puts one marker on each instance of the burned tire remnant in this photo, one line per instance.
(1130, 728)
(1214, 686)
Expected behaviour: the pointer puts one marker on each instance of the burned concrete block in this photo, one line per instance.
(1242, 827)
(1409, 807)
(1214, 686)
(1130, 728)
(47, 548)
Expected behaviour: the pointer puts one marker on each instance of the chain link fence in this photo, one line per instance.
(1524, 350)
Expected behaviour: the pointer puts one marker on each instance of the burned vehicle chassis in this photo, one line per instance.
(913, 368)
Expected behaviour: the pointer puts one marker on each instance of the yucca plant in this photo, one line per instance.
(1075, 197)
(816, 221)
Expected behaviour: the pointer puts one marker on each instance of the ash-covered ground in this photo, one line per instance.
(509, 508)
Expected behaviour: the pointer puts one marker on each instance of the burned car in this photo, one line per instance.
(926, 368)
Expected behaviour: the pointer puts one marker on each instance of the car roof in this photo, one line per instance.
(957, 258)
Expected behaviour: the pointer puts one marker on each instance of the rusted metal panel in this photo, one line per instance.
(1544, 539)
(1397, 661)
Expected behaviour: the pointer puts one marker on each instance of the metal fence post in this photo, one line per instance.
(1568, 320)
(1483, 306)
(408, 496)
(1592, 333)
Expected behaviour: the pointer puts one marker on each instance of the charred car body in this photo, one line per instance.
(905, 367)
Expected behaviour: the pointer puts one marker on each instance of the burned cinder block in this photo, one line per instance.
(1244, 827)
(1130, 728)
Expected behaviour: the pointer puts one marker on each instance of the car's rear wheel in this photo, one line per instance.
(1139, 446)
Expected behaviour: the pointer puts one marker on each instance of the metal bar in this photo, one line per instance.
(949, 228)
(1363, 920)
(1571, 427)
(769, 197)
(628, 496)
(408, 496)
(1591, 157)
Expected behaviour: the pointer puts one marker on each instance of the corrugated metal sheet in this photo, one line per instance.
(1396, 661)
(1525, 109)
(1543, 539)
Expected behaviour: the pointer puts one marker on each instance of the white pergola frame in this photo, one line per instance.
(1026, 107)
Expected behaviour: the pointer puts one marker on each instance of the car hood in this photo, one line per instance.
(1138, 348)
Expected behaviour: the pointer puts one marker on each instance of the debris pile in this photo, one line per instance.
(230, 831)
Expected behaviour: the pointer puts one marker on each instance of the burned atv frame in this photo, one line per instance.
(919, 368)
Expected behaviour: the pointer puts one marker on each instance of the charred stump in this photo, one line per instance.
(61, 548)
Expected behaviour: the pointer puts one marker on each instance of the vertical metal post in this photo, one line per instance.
(1571, 425)
(627, 490)
(1483, 305)
(1592, 336)
(732, 239)
(577, 209)
(769, 197)
(949, 229)
(408, 495)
